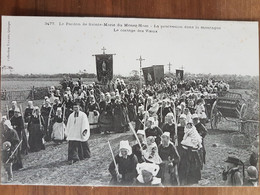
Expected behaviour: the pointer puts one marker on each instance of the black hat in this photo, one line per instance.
(76, 103)
(234, 160)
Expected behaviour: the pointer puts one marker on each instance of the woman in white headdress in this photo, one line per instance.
(106, 117)
(191, 162)
(121, 119)
(36, 131)
(92, 112)
(200, 111)
(126, 163)
(58, 132)
(147, 173)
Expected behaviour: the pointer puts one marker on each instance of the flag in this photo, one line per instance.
(153, 74)
(148, 73)
(179, 74)
(104, 66)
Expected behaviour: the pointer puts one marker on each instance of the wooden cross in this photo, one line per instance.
(140, 59)
(169, 66)
(103, 49)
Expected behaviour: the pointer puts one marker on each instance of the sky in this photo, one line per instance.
(52, 45)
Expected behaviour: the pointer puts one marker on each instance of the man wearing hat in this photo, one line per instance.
(231, 174)
(202, 131)
(252, 177)
(170, 157)
(126, 163)
(78, 133)
(18, 125)
(153, 130)
(136, 148)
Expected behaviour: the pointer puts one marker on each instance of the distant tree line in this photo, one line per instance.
(60, 75)
(235, 81)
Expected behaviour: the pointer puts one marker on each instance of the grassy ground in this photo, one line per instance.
(50, 166)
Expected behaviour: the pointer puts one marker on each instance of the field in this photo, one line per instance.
(28, 83)
(50, 166)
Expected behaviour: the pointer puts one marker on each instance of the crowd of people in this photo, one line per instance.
(168, 121)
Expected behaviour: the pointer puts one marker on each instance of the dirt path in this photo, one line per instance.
(50, 166)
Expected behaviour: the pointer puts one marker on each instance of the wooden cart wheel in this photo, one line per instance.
(214, 116)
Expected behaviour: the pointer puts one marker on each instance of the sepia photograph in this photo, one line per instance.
(92, 101)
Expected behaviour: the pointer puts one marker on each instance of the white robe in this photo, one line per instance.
(76, 126)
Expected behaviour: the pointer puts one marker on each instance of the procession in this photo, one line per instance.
(168, 121)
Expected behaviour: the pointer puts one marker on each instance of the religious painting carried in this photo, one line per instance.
(104, 66)
(179, 74)
(153, 74)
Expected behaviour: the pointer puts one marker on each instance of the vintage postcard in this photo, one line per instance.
(129, 102)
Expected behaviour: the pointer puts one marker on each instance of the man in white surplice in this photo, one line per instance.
(78, 133)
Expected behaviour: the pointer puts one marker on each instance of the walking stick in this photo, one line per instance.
(21, 111)
(41, 128)
(49, 120)
(175, 124)
(161, 114)
(23, 131)
(7, 111)
(14, 152)
(114, 160)
(64, 109)
(176, 143)
(145, 118)
(138, 141)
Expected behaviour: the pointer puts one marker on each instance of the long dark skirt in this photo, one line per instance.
(131, 113)
(105, 122)
(168, 175)
(17, 164)
(121, 120)
(190, 166)
(35, 138)
(24, 147)
(47, 129)
(78, 150)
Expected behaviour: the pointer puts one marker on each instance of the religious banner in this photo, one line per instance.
(179, 74)
(104, 66)
(148, 73)
(153, 74)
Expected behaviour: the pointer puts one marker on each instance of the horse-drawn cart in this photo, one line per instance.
(231, 107)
